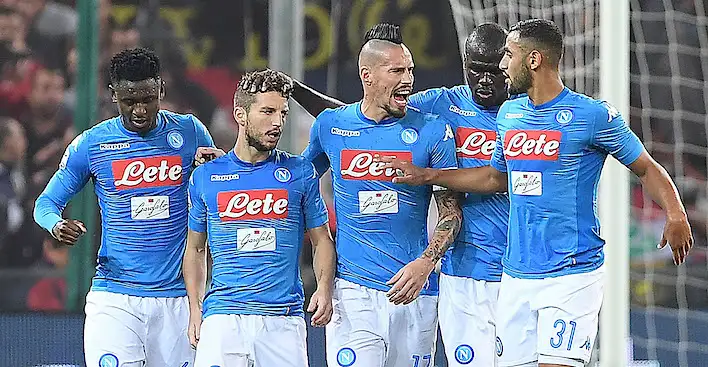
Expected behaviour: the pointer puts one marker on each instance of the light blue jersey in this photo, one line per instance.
(141, 185)
(381, 226)
(478, 249)
(553, 154)
(255, 216)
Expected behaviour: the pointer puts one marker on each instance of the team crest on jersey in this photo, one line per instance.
(175, 139)
(464, 354)
(346, 357)
(564, 116)
(108, 360)
(499, 347)
(282, 175)
(409, 135)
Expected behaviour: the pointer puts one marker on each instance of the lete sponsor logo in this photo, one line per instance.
(540, 145)
(147, 172)
(360, 165)
(252, 204)
(475, 143)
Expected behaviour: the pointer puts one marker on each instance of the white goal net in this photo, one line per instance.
(669, 65)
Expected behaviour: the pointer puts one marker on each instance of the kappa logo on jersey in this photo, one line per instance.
(114, 146)
(540, 145)
(475, 143)
(252, 204)
(147, 172)
(448, 133)
(359, 164)
(611, 111)
(462, 112)
(344, 133)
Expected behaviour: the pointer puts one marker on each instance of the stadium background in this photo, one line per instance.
(205, 45)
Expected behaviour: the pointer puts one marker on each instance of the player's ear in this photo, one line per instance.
(162, 89)
(534, 59)
(114, 98)
(365, 75)
(240, 115)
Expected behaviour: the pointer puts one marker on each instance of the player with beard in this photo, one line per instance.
(553, 143)
(139, 161)
(255, 203)
(471, 268)
(385, 293)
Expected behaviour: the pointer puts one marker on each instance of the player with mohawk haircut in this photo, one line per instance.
(136, 311)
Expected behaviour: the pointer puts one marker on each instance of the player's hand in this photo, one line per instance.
(677, 233)
(195, 325)
(68, 231)
(206, 154)
(321, 305)
(409, 281)
(406, 172)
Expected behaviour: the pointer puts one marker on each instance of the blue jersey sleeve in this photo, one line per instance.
(195, 202)
(498, 160)
(72, 175)
(204, 139)
(314, 151)
(443, 154)
(425, 100)
(313, 206)
(612, 135)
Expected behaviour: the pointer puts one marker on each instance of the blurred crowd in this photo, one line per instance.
(38, 69)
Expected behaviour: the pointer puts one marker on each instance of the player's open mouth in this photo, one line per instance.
(401, 97)
(140, 122)
(275, 135)
(485, 93)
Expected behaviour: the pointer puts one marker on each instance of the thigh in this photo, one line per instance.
(354, 336)
(516, 322)
(222, 342)
(113, 331)
(167, 341)
(412, 333)
(568, 319)
(466, 313)
(282, 342)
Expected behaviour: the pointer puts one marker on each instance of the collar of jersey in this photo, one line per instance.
(550, 103)
(362, 117)
(160, 125)
(237, 160)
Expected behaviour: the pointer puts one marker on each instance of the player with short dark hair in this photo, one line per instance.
(136, 311)
(255, 203)
(552, 144)
(385, 296)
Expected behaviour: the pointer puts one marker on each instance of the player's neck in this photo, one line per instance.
(545, 88)
(371, 111)
(248, 153)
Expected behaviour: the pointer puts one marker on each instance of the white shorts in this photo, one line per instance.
(369, 331)
(127, 331)
(551, 320)
(252, 340)
(467, 310)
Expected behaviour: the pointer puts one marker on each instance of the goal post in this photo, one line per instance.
(614, 194)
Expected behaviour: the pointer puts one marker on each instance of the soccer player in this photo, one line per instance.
(551, 147)
(471, 268)
(385, 292)
(136, 311)
(255, 203)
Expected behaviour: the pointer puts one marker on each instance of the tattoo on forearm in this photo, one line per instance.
(449, 223)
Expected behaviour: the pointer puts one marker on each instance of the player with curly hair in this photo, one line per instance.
(139, 161)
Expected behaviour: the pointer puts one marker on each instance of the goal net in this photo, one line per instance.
(669, 63)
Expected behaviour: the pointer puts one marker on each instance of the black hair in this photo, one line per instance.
(544, 35)
(486, 39)
(384, 32)
(267, 80)
(134, 65)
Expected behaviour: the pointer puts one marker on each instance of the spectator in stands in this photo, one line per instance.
(49, 128)
(49, 19)
(49, 293)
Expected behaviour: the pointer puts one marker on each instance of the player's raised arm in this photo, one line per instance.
(311, 100)
(69, 179)
(194, 261)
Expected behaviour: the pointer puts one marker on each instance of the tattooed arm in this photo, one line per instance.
(409, 281)
(449, 223)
